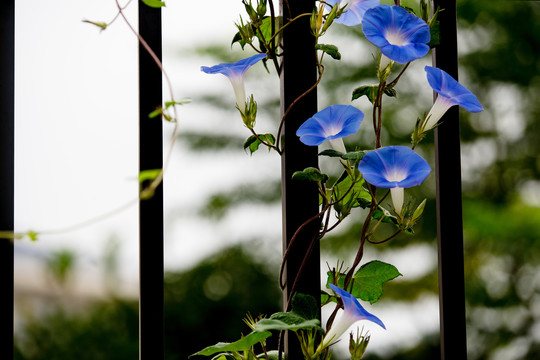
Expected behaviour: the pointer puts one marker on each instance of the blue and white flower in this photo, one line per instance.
(394, 168)
(450, 93)
(332, 124)
(353, 312)
(401, 36)
(235, 72)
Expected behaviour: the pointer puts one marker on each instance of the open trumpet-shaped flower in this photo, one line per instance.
(332, 124)
(353, 313)
(401, 36)
(450, 93)
(235, 72)
(354, 11)
(394, 168)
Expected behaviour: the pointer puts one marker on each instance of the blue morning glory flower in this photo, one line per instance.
(401, 36)
(450, 93)
(394, 168)
(354, 12)
(353, 312)
(332, 124)
(235, 72)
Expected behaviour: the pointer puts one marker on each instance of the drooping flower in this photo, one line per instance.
(450, 93)
(332, 124)
(394, 168)
(353, 312)
(401, 36)
(235, 72)
(354, 12)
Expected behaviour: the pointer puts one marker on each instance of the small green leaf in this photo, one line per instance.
(32, 235)
(252, 143)
(331, 50)
(357, 192)
(101, 25)
(371, 92)
(286, 321)
(310, 174)
(366, 90)
(331, 153)
(156, 113)
(354, 155)
(369, 280)
(435, 35)
(243, 344)
(154, 3)
(184, 101)
(149, 175)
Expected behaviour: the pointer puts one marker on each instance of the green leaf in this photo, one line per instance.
(243, 344)
(331, 153)
(369, 280)
(388, 218)
(366, 90)
(371, 92)
(303, 315)
(101, 25)
(305, 306)
(184, 101)
(354, 155)
(310, 174)
(149, 175)
(286, 321)
(252, 143)
(435, 34)
(154, 3)
(331, 50)
(357, 192)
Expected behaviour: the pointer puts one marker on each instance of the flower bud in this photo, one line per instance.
(330, 18)
(250, 113)
(250, 11)
(261, 7)
(357, 347)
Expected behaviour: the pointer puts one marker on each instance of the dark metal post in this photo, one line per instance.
(151, 210)
(300, 199)
(7, 172)
(449, 206)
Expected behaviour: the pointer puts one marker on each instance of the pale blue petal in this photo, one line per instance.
(354, 14)
(446, 86)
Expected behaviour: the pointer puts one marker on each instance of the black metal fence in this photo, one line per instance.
(297, 77)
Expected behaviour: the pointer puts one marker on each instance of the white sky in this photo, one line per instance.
(77, 132)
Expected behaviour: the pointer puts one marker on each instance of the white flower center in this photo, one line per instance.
(395, 38)
(396, 175)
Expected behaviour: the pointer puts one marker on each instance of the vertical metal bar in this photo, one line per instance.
(449, 204)
(7, 170)
(300, 199)
(151, 210)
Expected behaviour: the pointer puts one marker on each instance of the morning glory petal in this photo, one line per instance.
(450, 93)
(355, 11)
(394, 166)
(446, 86)
(238, 68)
(235, 72)
(333, 122)
(353, 312)
(400, 35)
